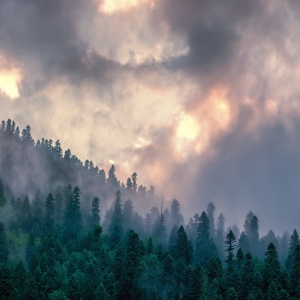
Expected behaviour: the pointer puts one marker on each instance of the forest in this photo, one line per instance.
(68, 230)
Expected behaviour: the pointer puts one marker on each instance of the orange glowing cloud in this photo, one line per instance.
(10, 79)
(209, 118)
(112, 6)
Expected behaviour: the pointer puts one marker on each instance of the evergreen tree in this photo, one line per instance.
(231, 294)
(37, 208)
(214, 269)
(272, 270)
(95, 212)
(112, 179)
(211, 216)
(293, 243)
(295, 274)
(58, 208)
(129, 286)
(231, 272)
(2, 196)
(5, 281)
(247, 223)
(205, 247)
(254, 235)
(116, 225)
(134, 182)
(176, 216)
(172, 240)
(49, 215)
(259, 295)
(26, 216)
(3, 244)
(128, 214)
(248, 277)
(110, 286)
(182, 247)
(244, 243)
(159, 229)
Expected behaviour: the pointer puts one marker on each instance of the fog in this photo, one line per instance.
(199, 98)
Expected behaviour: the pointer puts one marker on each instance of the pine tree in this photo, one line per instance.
(19, 277)
(3, 244)
(295, 274)
(231, 272)
(172, 240)
(211, 216)
(293, 243)
(220, 236)
(116, 225)
(58, 208)
(254, 235)
(231, 294)
(214, 269)
(272, 270)
(5, 281)
(110, 286)
(134, 182)
(205, 247)
(176, 216)
(159, 229)
(26, 217)
(95, 212)
(49, 216)
(259, 295)
(182, 247)
(129, 287)
(248, 277)
(128, 214)
(244, 243)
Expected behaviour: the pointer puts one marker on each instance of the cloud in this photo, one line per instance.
(201, 98)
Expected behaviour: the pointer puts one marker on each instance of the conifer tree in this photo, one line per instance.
(159, 229)
(231, 294)
(95, 212)
(231, 275)
(205, 247)
(3, 244)
(172, 240)
(248, 277)
(5, 281)
(110, 286)
(295, 274)
(49, 215)
(272, 270)
(182, 247)
(116, 225)
(211, 216)
(293, 243)
(134, 182)
(58, 208)
(129, 287)
(128, 214)
(176, 216)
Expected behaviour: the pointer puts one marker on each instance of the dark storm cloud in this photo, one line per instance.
(211, 29)
(254, 172)
(43, 36)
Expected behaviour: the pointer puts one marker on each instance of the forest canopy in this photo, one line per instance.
(56, 244)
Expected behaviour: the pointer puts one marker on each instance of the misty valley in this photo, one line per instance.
(68, 230)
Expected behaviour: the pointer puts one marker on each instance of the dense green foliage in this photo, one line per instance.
(56, 245)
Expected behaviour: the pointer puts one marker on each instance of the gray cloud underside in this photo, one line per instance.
(228, 44)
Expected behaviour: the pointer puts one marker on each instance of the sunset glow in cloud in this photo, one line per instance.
(10, 79)
(200, 98)
(111, 6)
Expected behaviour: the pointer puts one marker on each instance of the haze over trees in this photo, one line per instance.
(55, 242)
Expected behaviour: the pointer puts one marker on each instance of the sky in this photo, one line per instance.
(200, 98)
